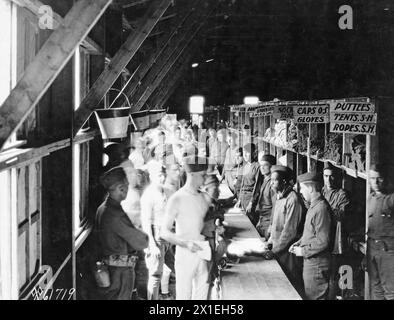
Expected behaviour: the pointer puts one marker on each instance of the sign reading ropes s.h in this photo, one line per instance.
(353, 117)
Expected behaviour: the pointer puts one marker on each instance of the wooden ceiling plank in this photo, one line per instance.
(119, 62)
(48, 63)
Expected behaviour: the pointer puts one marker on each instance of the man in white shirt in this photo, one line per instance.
(153, 203)
(188, 207)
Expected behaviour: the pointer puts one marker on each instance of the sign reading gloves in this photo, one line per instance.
(353, 117)
(311, 114)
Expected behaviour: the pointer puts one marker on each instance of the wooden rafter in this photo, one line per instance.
(148, 87)
(48, 63)
(119, 62)
(137, 89)
(169, 85)
(163, 43)
(34, 7)
(134, 3)
(152, 87)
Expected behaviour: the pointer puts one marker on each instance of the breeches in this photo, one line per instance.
(316, 274)
(191, 274)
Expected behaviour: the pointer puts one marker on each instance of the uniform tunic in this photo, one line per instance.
(315, 244)
(118, 236)
(230, 167)
(250, 175)
(287, 224)
(380, 248)
(218, 154)
(339, 202)
(262, 202)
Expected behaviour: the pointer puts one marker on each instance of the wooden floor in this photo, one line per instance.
(253, 278)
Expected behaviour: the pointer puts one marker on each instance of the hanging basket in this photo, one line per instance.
(113, 123)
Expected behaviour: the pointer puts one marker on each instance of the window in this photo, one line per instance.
(80, 150)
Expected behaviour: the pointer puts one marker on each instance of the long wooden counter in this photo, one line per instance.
(253, 278)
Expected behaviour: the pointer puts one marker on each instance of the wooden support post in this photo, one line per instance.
(163, 43)
(48, 63)
(119, 62)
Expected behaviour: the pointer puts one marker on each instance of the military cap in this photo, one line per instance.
(328, 166)
(309, 177)
(269, 158)
(286, 171)
(195, 164)
(116, 149)
(378, 167)
(113, 177)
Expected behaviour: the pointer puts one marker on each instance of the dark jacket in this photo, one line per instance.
(117, 234)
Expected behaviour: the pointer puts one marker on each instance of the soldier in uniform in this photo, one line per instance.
(380, 246)
(314, 245)
(287, 224)
(263, 196)
(119, 239)
(339, 201)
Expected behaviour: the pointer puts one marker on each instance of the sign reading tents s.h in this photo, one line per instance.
(311, 114)
(353, 117)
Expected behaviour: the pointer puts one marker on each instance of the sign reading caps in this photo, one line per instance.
(311, 114)
(283, 112)
(263, 111)
(353, 117)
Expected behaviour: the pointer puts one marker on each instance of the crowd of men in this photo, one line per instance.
(162, 216)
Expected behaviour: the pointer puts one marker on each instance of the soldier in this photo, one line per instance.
(380, 246)
(314, 244)
(119, 239)
(287, 224)
(188, 207)
(263, 196)
(153, 203)
(339, 202)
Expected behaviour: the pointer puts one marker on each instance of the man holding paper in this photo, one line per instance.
(187, 208)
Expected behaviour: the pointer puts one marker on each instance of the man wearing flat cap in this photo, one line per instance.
(287, 224)
(263, 196)
(339, 201)
(118, 238)
(314, 245)
(380, 245)
(187, 208)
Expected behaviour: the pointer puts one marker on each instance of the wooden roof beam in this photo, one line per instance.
(134, 3)
(152, 86)
(163, 43)
(149, 86)
(138, 87)
(48, 63)
(119, 62)
(34, 7)
(169, 86)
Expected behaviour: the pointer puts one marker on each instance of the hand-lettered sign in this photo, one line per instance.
(353, 117)
(311, 114)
